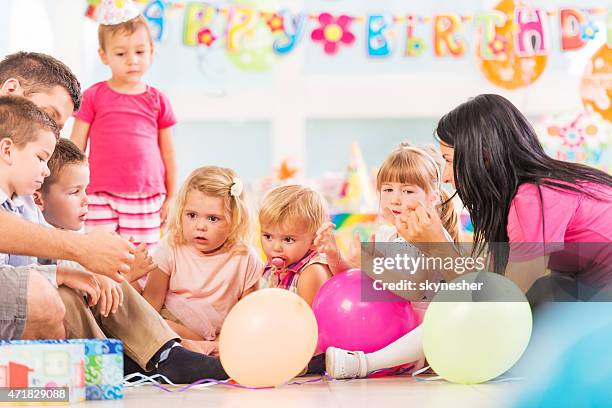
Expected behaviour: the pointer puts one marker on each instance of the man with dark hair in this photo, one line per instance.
(35, 303)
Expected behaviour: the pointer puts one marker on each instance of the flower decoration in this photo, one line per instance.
(589, 30)
(274, 21)
(332, 32)
(206, 37)
(499, 45)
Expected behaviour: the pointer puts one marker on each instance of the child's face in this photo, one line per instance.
(128, 56)
(64, 204)
(397, 197)
(289, 243)
(27, 166)
(205, 225)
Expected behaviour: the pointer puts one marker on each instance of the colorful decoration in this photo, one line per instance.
(584, 138)
(596, 85)
(113, 12)
(446, 27)
(293, 28)
(97, 372)
(509, 70)
(43, 364)
(571, 21)
(492, 45)
(154, 12)
(198, 17)
(357, 192)
(414, 45)
(286, 171)
(332, 32)
(274, 21)
(531, 32)
(347, 224)
(378, 36)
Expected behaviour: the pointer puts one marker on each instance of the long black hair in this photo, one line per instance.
(497, 150)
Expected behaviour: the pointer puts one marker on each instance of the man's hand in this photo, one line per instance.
(105, 253)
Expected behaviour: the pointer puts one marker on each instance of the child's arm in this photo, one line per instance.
(166, 147)
(80, 280)
(311, 279)
(80, 133)
(156, 288)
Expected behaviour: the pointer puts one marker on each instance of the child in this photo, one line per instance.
(128, 123)
(290, 217)
(409, 178)
(121, 311)
(29, 137)
(206, 263)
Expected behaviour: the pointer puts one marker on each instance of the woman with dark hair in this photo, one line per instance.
(526, 207)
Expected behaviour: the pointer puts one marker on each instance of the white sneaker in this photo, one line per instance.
(342, 364)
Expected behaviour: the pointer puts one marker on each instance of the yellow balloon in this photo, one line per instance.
(469, 342)
(268, 338)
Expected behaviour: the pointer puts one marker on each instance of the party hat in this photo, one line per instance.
(113, 12)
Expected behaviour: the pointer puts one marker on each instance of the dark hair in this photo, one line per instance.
(38, 72)
(21, 118)
(128, 27)
(65, 153)
(497, 150)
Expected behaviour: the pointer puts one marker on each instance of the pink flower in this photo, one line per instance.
(332, 32)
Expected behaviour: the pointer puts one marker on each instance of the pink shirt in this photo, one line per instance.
(575, 224)
(124, 154)
(202, 289)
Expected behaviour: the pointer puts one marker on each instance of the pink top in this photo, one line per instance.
(572, 221)
(203, 289)
(124, 154)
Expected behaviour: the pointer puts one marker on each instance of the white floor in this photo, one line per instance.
(380, 393)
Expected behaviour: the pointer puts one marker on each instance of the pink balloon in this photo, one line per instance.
(348, 322)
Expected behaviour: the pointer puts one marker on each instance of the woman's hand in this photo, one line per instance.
(420, 226)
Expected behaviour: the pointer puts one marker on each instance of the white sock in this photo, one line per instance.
(406, 349)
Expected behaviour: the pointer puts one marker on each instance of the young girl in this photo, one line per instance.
(289, 218)
(206, 263)
(408, 180)
(129, 125)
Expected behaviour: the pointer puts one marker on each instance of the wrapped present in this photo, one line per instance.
(101, 364)
(103, 368)
(43, 365)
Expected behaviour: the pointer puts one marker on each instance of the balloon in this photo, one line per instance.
(509, 70)
(470, 341)
(596, 86)
(348, 322)
(267, 338)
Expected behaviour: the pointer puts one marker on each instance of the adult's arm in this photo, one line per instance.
(100, 252)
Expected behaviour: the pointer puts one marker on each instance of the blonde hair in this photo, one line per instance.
(214, 182)
(297, 204)
(128, 27)
(420, 166)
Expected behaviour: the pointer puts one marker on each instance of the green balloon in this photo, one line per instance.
(469, 337)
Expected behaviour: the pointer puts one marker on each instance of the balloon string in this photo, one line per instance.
(438, 378)
(142, 379)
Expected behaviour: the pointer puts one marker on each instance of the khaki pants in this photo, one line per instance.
(141, 329)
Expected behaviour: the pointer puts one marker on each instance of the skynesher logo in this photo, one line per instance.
(411, 264)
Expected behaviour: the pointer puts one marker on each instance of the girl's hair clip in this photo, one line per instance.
(236, 188)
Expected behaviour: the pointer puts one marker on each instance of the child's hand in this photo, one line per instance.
(80, 280)
(325, 243)
(111, 295)
(142, 265)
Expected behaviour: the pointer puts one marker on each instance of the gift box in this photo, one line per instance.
(43, 365)
(101, 364)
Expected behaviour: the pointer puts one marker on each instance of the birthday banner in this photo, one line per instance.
(513, 42)
(507, 28)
